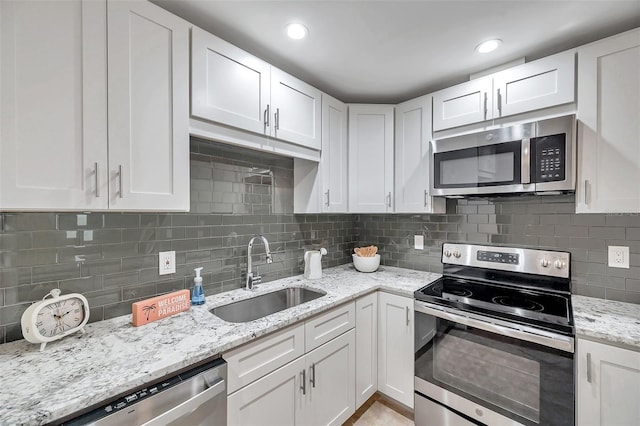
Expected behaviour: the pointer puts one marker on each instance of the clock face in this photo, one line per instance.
(58, 317)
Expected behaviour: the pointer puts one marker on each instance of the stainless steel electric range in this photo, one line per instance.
(494, 339)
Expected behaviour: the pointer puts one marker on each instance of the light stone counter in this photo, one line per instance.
(615, 323)
(114, 357)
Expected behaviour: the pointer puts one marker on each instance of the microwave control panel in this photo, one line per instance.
(549, 154)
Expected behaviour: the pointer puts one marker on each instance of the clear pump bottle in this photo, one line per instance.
(197, 294)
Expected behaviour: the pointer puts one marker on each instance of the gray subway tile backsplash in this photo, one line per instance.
(112, 257)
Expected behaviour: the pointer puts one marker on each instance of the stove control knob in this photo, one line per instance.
(544, 262)
(447, 253)
(457, 254)
(559, 264)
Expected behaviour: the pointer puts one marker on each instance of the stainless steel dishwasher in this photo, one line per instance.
(194, 397)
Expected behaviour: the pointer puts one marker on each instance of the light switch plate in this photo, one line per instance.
(418, 242)
(166, 262)
(619, 257)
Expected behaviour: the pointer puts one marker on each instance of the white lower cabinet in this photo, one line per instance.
(272, 381)
(608, 385)
(330, 389)
(395, 347)
(316, 389)
(274, 400)
(366, 347)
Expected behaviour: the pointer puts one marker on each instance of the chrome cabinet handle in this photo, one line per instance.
(328, 197)
(426, 195)
(499, 103)
(120, 194)
(485, 105)
(277, 117)
(406, 308)
(95, 170)
(389, 199)
(588, 367)
(586, 191)
(303, 385)
(267, 116)
(312, 379)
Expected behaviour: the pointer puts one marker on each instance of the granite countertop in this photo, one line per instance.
(113, 357)
(616, 323)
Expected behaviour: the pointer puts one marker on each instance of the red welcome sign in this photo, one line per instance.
(159, 307)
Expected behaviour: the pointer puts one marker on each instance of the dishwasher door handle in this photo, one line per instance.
(189, 405)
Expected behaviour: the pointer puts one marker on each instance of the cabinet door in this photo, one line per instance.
(370, 158)
(539, 84)
(274, 400)
(53, 104)
(262, 356)
(333, 160)
(228, 85)
(331, 382)
(148, 108)
(395, 347)
(413, 135)
(296, 110)
(608, 125)
(466, 103)
(366, 347)
(608, 383)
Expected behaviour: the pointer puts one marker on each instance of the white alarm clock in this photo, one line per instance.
(53, 318)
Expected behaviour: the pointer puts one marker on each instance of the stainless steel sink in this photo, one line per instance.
(266, 304)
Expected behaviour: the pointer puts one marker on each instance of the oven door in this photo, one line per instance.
(489, 373)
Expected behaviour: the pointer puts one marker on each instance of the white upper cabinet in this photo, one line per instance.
(607, 382)
(608, 125)
(231, 87)
(466, 103)
(97, 127)
(53, 105)
(370, 158)
(413, 134)
(148, 107)
(322, 187)
(539, 84)
(528, 87)
(228, 85)
(297, 109)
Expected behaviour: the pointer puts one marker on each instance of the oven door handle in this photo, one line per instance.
(556, 341)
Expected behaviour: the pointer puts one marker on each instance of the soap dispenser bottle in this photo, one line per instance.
(197, 294)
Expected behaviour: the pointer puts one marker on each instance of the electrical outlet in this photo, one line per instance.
(618, 257)
(418, 242)
(166, 262)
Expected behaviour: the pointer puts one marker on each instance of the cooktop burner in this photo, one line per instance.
(518, 303)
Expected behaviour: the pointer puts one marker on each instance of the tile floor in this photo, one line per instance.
(378, 411)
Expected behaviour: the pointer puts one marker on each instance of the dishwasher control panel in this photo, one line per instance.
(155, 400)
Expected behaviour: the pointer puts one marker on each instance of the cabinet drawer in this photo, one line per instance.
(321, 329)
(258, 358)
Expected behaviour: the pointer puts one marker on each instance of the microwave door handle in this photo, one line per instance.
(525, 163)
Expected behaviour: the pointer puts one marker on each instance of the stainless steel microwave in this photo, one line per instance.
(531, 157)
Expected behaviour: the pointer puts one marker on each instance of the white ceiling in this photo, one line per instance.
(391, 51)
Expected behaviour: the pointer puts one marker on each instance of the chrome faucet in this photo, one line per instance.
(251, 279)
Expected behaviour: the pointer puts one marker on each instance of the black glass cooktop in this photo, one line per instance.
(538, 308)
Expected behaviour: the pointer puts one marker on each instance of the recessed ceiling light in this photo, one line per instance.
(297, 31)
(488, 46)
